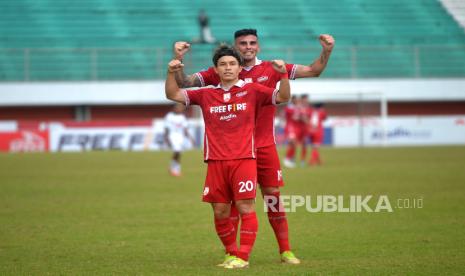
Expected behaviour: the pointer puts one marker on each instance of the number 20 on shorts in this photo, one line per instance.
(246, 186)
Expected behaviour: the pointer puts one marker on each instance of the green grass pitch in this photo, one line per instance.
(106, 213)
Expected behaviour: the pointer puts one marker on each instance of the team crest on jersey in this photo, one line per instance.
(206, 190)
(226, 97)
(248, 80)
(262, 78)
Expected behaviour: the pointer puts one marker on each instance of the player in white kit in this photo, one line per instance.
(175, 134)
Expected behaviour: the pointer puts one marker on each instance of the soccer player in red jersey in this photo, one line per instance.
(305, 113)
(293, 130)
(268, 165)
(317, 115)
(230, 115)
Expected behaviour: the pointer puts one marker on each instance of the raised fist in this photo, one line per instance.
(174, 65)
(279, 65)
(327, 41)
(180, 48)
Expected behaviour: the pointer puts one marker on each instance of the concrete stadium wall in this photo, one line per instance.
(152, 92)
(146, 99)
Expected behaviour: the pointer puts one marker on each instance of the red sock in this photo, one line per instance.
(278, 222)
(225, 231)
(290, 153)
(315, 157)
(303, 154)
(249, 227)
(234, 217)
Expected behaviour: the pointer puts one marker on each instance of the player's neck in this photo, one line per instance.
(249, 63)
(227, 84)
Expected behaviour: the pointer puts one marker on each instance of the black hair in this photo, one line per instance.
(245, 32)
(226, 50)
(304, 96)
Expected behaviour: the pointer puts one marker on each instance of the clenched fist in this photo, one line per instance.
(174, 66)
(327, 41)
(180, 48)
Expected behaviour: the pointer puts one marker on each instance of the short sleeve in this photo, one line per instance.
(291, 70)
(193, 96)
(208, 77)
(265, 95)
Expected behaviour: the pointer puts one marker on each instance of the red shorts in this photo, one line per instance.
(230, 180)
(316, 137)
(269, 173)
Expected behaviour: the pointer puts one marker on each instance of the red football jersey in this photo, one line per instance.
(262, 72)
(230, 118)
(316, 118)
(292, 116)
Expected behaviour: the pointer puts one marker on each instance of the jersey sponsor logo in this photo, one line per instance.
(228, 108)
(280, 175)
(262, 78)
(241, 94)
(206, 190)
(226, 97)
(228, 117)
(248, 80)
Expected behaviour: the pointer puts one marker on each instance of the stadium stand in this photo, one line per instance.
(118, 40)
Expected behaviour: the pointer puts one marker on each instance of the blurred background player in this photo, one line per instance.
(230, 110)
(268, 165)
(175, 136)
(293, 130)
(316, 117)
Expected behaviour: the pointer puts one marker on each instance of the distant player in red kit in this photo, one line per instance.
(230, 111)
(305, 111)
(316, 117)
(294, 129)
(259, 71)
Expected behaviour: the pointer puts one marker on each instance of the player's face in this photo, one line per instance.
(247, 46)
(228, 68)
(304, 101)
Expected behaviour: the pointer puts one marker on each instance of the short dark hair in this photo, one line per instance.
(304, 96)
(245, 32)
(226, 50)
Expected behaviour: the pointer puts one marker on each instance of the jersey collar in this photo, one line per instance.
(257, 62)
(239, 83)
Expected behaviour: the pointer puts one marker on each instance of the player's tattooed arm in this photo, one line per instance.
(319, 65)
(284, 93)
(180, 48)
(191, 81)
(172, 90)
